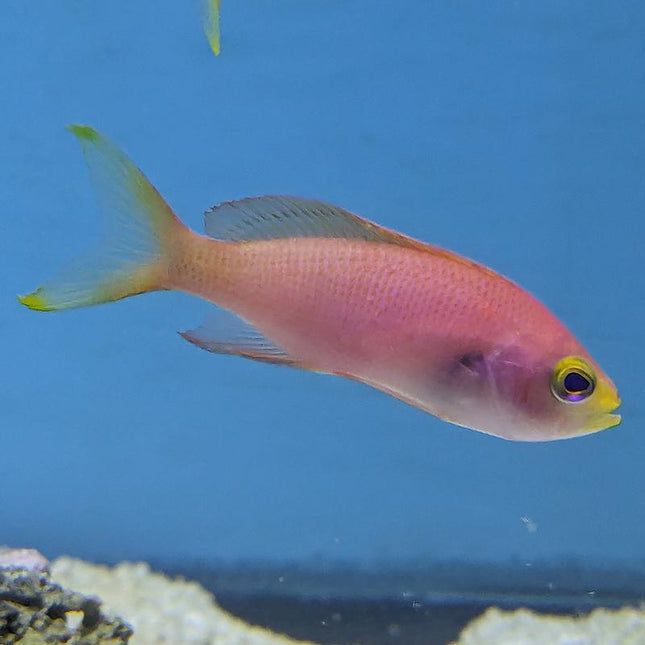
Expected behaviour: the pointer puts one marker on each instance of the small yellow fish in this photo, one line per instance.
(316, 287)
(211, 23)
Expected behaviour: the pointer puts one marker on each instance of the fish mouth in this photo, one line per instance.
(603, 420)
(616, 418)
(609, 419)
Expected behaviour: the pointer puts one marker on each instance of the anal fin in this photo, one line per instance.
(225, 333)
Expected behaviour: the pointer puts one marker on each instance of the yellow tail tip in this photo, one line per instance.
(34, 301)
(214, 43)
(84, 132)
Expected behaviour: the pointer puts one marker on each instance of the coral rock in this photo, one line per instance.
(33, 610)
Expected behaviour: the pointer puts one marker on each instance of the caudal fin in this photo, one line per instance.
(132, 256)
(210, 9)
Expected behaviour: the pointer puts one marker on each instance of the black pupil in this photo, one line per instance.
(576, 382)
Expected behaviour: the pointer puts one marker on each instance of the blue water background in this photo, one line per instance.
(512, 132)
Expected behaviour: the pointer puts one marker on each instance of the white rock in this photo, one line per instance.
(22, 559)
(159, 609)
(624, 626)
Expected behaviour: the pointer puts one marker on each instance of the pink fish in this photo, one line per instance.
(313, 286)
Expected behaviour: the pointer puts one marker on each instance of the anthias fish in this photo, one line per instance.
(313, 286)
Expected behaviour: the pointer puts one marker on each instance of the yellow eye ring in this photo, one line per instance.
(572, 380)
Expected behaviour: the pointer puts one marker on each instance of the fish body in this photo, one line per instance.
(316, 287)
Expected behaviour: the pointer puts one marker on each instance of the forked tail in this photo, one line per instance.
(133, 256)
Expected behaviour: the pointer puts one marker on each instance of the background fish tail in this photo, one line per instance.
(140, 229)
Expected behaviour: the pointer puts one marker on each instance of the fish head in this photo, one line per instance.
(532, 392)
(585, 396)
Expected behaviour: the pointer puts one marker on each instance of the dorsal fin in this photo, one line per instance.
(278, 216)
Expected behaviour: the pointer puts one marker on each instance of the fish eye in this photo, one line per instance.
(572, 380)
